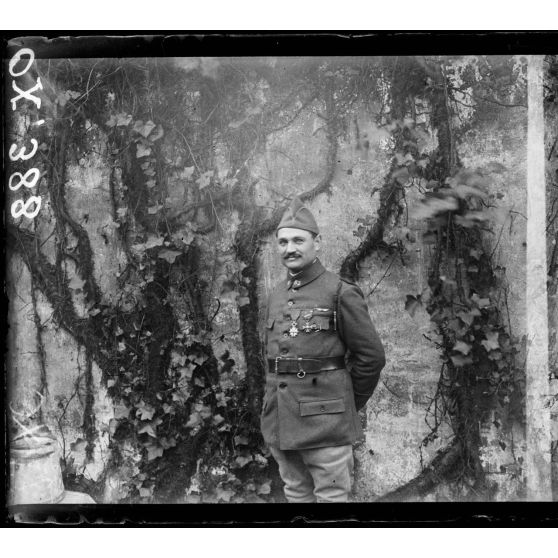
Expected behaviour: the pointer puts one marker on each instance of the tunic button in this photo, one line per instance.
(290, 303)
(282, 385)
(285, 335)
(322, 409)
(284, 351)
(297, 283)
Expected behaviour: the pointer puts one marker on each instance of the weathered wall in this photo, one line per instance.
(292, 161)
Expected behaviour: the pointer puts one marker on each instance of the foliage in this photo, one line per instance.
(177, 139)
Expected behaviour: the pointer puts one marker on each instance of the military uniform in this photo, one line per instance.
(324, 360)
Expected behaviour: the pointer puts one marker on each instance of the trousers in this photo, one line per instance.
(316, 475)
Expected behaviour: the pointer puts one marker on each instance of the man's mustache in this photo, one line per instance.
(291, 255)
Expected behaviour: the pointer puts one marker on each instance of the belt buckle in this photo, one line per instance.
(277, 364)
(301, 373)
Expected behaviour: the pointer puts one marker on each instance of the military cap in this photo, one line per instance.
(298, 216)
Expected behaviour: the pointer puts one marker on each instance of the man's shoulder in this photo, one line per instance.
(341, 282)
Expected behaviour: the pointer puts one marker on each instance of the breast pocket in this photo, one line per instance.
(319, 319)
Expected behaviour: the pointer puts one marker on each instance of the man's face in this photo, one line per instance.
(297, 248)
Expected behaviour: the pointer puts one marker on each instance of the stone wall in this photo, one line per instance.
(396, 419)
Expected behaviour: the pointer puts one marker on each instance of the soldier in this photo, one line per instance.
(324, 361)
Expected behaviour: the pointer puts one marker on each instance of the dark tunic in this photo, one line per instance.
(316, 315)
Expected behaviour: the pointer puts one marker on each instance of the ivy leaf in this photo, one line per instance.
(153, 241)
(463, 191)
(224, 494)
(186, 173)
(113, 423)
(241, 441)
(462, 347)
(264, 488)
(242, 460)
(460, 361)
(121, 411)
(78, 445)
(168, 409)
(143, 129)
(153, 451)
(496, 356)
(491, 343)
(471, 218)
(111, 122)
(169, 255)
(186, 371)
(180, 397)
(123, 119)
(194, 420)
(76, 284)
(243, 301)
(145, 411)
(468, 317)
(434, 205)
(177, 358)
(401, 175)
(65, 96)
(480, 302)
(150, 428)
(204, 179)
(205, 411)
(218, 419)
(260, 460)
(198, 359)
(157, 133)
(167, 443)
(142, 150)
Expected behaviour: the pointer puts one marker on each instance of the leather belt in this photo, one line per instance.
(302, 366)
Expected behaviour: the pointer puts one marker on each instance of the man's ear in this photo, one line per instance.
(318, 242)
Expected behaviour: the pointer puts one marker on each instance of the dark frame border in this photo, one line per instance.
(58, 44)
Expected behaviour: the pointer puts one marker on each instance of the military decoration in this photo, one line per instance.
(293, 331)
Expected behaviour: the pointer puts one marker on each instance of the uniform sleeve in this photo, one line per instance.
(366, 355)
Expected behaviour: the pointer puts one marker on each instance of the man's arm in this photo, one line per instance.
(366, 353)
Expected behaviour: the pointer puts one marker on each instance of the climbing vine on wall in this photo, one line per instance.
(177, 140)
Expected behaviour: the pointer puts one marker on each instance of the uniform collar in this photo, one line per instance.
(308, 274)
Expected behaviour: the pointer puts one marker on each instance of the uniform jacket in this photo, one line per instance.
(330, 319)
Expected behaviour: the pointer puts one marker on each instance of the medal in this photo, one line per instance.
(294, 331)
(307, 327)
